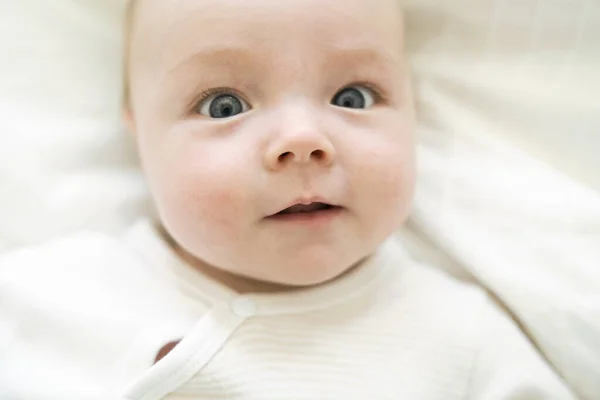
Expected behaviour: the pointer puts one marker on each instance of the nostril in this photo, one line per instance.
(318, 154)
(283, 157)
(290, 157)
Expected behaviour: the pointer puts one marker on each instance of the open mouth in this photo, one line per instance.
(306, 209)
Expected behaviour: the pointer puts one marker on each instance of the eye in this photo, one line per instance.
(354, 97)
(222, 105)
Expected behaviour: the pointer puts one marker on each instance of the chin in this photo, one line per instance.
(299, 274)
(316, 280)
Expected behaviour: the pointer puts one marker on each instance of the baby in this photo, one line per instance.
(277, 140)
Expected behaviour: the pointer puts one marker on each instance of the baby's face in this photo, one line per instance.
(243, 109)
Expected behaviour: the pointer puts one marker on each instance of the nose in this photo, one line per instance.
(301, 143)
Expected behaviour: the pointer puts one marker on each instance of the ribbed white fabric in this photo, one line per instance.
(84, 317)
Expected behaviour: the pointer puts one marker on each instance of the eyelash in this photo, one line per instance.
(378, 95)
(215, 92)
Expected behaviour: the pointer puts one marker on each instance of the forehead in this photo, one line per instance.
(172, 30)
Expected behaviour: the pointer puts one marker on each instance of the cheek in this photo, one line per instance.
(386, 178)
(203, 192)
(392, 179)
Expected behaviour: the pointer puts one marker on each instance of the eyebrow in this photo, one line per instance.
(235, 55)
(363, 55)
(215, 55)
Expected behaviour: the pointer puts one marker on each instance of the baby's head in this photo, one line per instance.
(276, 136)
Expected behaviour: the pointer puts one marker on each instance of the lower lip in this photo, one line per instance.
(316, 217)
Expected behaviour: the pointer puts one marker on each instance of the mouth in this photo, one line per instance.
(306, 211)
(306, 208)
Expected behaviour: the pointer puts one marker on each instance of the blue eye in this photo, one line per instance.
(222, 105)
(356, 97)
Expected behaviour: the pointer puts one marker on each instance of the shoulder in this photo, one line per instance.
(56, 256)
(445, 308)
(77, 255)
(83, 271)
(77, 304)
(497, 356)
(429, 285)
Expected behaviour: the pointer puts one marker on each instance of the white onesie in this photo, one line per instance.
(84, 318)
